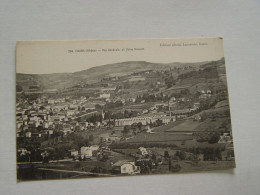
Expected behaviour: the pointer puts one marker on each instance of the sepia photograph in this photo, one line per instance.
(106, 108)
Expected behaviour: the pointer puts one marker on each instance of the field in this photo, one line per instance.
(125, 153)
(164, 138)
(190, 126)
(211, 125)
(186, 125)
(177, 88)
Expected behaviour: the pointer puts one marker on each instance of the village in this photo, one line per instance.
(111, 129)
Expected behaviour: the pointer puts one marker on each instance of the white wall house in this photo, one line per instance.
(126, 167)
(87, 152)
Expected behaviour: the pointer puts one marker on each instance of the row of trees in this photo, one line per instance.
(134, 127)
(210, 153)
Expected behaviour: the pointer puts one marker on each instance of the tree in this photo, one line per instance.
(100, 140)
(126, 114)
(91, 138)
(153, 157)
(166, 154)
(158, 123)
(77, 165)
(98, 107)
(170, 164)
(175, 168)
(104, 158)
(214, 138)
(182, 155)
(126, 85)
(19, 88)
(185, 91)
(126, 129)
(169, 81)
(42, 108)
(139, 125)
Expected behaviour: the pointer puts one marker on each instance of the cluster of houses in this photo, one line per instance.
(85, 152)
(43, 116)
(205, 94)
(120, 166)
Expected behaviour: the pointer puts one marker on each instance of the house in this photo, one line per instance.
(197, 117)
(23, 151)
(227, 154)
(18, 134)
(94, 147)
(33, 118)
(66, 131)
(70, 112)
(144, 120)
(49, 132)
(87, 152)
(60, 100)
(51, 101)
(145, 111)
(36, 124)
(167, 119)
(108, 89)
(28, 134)
(25, 117)
(225, 139)
(204, 96)
(44, 154)
(105, 95)
(143, 151)
(113, 138)
(36, 135)
(200, 157)
(126, 167)
(181, 113)
(196, 105)
(74, 153)
(132, 100)
(19, 125)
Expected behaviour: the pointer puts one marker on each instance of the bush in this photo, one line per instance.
(176, 168)
(77, 165)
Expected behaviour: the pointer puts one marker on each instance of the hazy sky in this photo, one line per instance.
(41, 57)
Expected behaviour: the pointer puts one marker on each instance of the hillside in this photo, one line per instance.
(94, 74)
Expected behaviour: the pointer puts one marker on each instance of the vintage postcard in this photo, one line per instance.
(121, 107)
